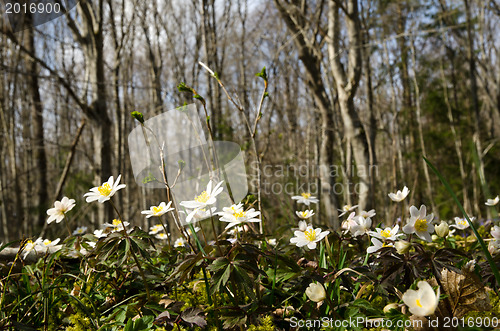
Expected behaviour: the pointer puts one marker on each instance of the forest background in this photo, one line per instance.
(370, 84)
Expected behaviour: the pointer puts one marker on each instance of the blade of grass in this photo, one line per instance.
(493, 266)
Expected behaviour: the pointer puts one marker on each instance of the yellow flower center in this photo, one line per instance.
(386, 233)
(418, 303)
(421, 225)
(347, 207)
(117, 222)
(240, 214)
(306, 195)
(47, 242)
(386, 245)
(105, 189)
(157, 210)
(310, 234)
(303, 214)
(203, 197)
(462, 222)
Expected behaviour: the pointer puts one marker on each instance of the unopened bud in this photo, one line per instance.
(494, 247)
(390, 306)
(402, 246)
(442, 229)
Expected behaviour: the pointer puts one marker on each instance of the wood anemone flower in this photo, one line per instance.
(105, 191)
(422, 302)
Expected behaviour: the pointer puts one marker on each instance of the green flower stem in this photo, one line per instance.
(166, 231)
(134, 256)
(493, 266)
(67, 225)
(203, 233)
(367, 254)
(215, 232)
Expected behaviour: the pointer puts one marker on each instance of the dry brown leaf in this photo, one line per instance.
(464, 291)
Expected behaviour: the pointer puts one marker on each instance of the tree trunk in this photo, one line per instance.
(347, 84)
(314, 80)
(38, 141)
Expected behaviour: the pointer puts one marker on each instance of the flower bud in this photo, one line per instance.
(390, 306)
(442, 229)
(494, 247)
(402, 246)
(316, 292)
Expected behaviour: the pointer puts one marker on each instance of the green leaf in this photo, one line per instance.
(138, 116)
(493, 266)
(181, 164)
(223, 267)
(199, 97)
(194, 316)
(262, 74)
(182, 87)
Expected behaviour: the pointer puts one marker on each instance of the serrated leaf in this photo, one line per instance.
(194, 316)
(220, 278)
(162, 318)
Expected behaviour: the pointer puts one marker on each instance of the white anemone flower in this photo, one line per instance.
(309, 237)
(159, 210)
(306, 214)
(233, 209)
(361, 226)
(105, 191)
(346, 209)
(272, 241)
(422, 302)
(386, 234)
(31, 246)
(305, 198)
(196, 229)
(240, 217)
(399, 195)
(420, 223)
(206, 197)
(60, 208)
(83, 250)
(80, 230)
(47, 244)
(235, 230)
(377, 244)
(460, 223)
(100, 234)
(302, 226)
(180, 242)
(116, 225)
(316, 292)
(155, 229)
(349, 222)
(200, 214)
(492, 202)
(162, 236)
(495, 232)
(367, 214)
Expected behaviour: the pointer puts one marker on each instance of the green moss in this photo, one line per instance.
(494, 312)
(265, 324)
(79, 322)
